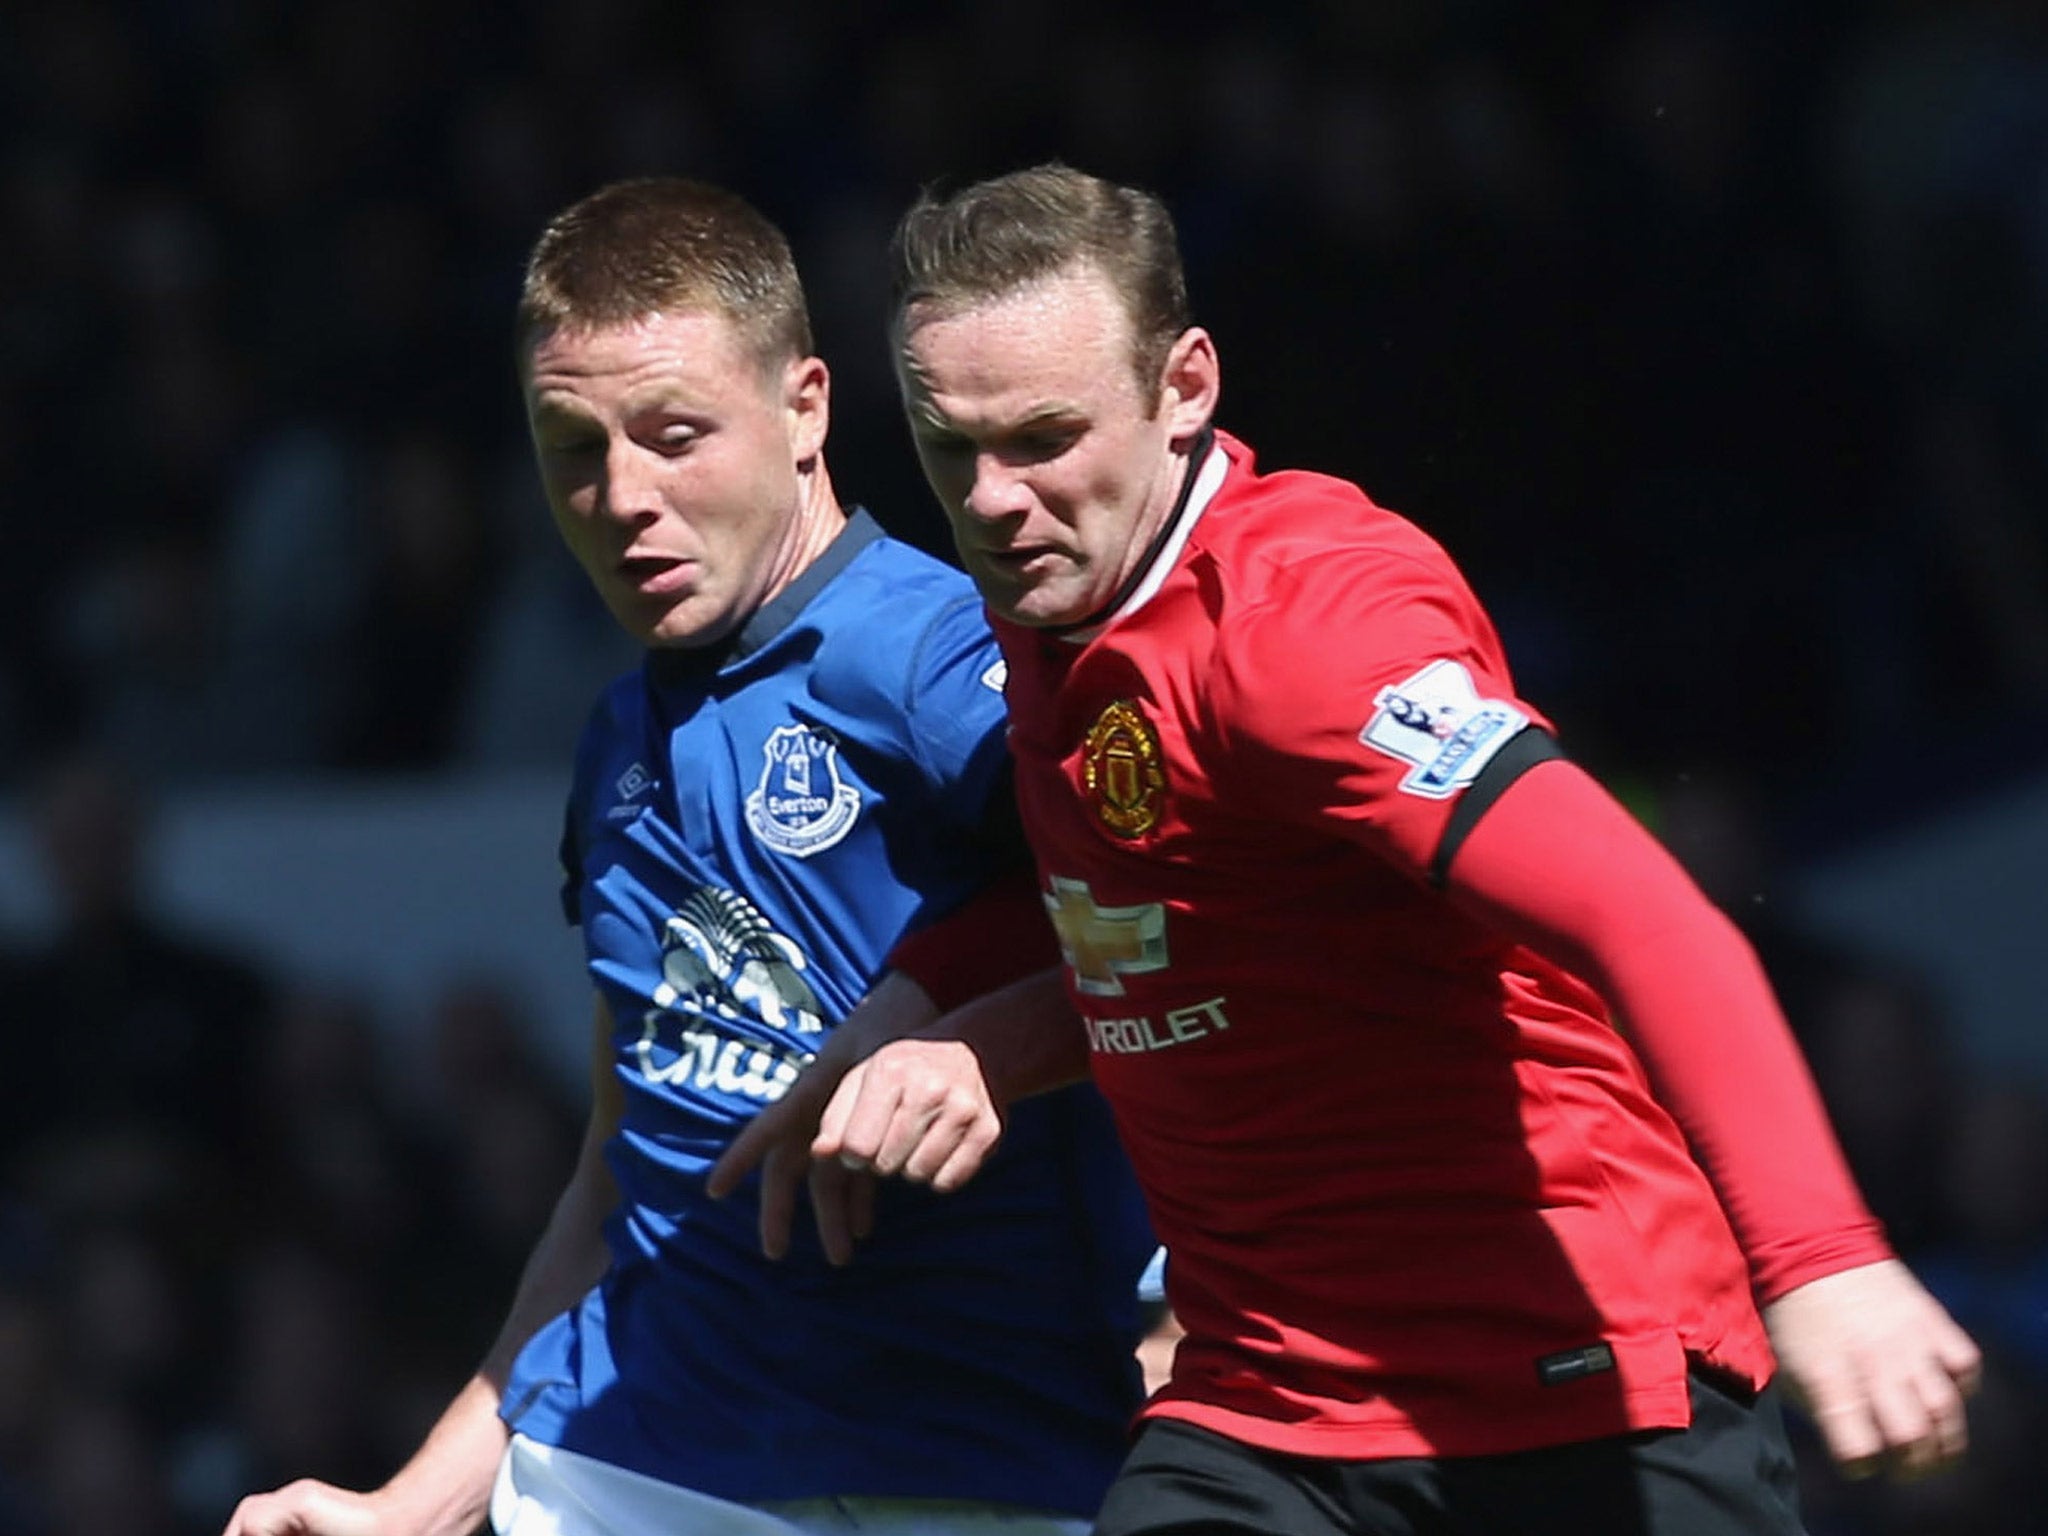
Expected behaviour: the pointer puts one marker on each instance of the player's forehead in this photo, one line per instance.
(1060, 339)
(693, 353)
(1075, 311)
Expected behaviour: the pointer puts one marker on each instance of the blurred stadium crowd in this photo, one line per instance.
(1710, 335)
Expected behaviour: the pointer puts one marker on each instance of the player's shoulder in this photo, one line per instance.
(1275, 540)
(615, 723)
(1286, 525)
(1307, 565)
(896, 612)
(910, 584)
(620, 706)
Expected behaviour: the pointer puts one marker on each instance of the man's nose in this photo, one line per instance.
(998, 490)
(630, 493)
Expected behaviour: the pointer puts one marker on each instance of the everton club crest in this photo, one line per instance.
(801, 805)
(1122, 772)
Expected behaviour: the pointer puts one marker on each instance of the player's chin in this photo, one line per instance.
(1039, 604)
(1036, 615)
(695, 621)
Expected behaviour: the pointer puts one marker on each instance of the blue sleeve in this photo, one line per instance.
(923, 686)
(576, 811)
(571, 852)
(954, 711)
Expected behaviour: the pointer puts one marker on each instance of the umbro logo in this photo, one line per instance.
(631, 785)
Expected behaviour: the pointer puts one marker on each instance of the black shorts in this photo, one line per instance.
(1730, 1474)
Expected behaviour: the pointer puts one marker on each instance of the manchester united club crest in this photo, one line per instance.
(1122, 772)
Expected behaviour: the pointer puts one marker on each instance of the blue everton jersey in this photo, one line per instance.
(751, 830)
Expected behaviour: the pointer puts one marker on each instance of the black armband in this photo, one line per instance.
(1532, 746)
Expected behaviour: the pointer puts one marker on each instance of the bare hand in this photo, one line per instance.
(918, 1108)
(1880, 1367)
(306, 1508)
(778, 1139)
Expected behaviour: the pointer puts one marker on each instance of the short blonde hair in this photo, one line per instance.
(663, 245)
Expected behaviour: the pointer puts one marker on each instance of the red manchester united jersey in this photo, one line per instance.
(1417, 1195)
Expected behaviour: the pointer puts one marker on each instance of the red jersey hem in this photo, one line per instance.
(1665, 1406)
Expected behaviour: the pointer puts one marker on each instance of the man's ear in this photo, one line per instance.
(807, 397)
(1190, 384)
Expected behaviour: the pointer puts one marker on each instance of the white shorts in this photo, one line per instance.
(543, 1490)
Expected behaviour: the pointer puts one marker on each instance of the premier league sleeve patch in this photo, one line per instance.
(1437, 722)
(801, 806)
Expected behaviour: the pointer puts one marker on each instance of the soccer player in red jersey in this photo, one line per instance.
(1473, 1130)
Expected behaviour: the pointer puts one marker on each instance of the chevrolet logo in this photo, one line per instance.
(1104, 944)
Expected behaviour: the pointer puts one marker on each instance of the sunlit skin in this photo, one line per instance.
(1054, 465)
(686, 476)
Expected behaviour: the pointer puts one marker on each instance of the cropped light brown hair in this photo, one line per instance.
(957, 249)
(665, 245)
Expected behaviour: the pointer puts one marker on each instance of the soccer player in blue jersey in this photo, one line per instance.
(804, 771)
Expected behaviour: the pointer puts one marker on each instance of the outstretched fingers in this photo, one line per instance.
(777, 1141)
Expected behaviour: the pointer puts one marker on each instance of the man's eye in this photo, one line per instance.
(1040, 446)
(1045, 445)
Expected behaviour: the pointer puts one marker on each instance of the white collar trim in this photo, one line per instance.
(1207, 483)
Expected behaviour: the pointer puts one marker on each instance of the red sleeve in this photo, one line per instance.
(1558, 865)
(1363, 693)
(1001, 935)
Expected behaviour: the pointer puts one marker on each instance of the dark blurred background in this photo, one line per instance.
(1710, 336)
